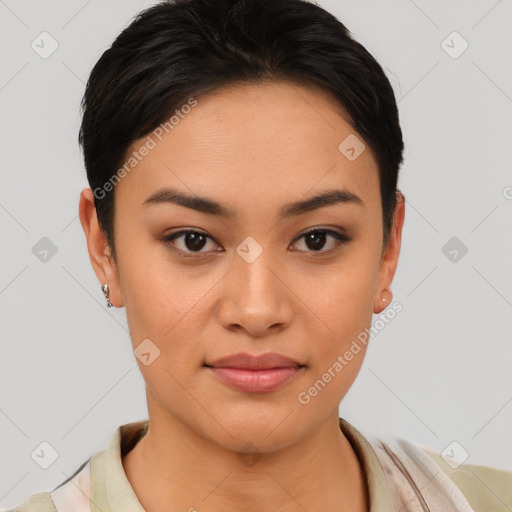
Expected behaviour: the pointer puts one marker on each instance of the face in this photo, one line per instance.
(248, 278)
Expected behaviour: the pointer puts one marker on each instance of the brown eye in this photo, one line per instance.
(192, 241)
(316, 239)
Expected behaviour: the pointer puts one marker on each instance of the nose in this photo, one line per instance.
(256, 296)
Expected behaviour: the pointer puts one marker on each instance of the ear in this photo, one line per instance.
(102, 262)
(389, 260)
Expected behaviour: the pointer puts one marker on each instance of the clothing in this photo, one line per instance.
(396, 470)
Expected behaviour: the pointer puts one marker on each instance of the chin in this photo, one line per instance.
(266, 428)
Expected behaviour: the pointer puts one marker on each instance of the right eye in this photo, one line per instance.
(192, 242)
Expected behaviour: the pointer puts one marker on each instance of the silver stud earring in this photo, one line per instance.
(106, 292)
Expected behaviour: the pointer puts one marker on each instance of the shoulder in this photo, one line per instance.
(41, 502)
(72, 494)
(486, 488)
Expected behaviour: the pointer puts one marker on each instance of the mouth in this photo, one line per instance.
(255, 374)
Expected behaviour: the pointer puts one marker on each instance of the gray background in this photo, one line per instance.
(438, 373)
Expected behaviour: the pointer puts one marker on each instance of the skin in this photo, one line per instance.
(252, 148)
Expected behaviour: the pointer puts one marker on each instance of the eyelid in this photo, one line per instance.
(168, 239)
(330, 231)
(340, 236)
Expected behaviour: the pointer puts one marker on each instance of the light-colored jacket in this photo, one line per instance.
(401, 476)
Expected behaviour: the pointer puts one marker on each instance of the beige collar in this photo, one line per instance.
(112, 492)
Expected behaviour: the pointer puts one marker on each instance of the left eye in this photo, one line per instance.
(193, 241)
(317, 237)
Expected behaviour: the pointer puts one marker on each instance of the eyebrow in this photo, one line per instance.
(211, 207)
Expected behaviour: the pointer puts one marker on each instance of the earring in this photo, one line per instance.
(384, 300)
(106, 292)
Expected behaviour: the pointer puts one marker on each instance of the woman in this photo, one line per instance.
(243, 160)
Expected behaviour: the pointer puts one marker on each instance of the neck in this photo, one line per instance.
(172, 468)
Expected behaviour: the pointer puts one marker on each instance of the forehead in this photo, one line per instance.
(271, 140)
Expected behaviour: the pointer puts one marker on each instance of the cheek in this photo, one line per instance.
(146, 278)
(343, 297)
(343, 306)
(159, 304)
(165, 304)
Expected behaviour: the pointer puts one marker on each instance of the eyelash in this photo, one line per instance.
(341, 239)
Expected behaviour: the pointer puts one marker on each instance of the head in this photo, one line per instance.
(264, 128)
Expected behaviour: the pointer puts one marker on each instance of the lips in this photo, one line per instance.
(255, 374)
(250, 362)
